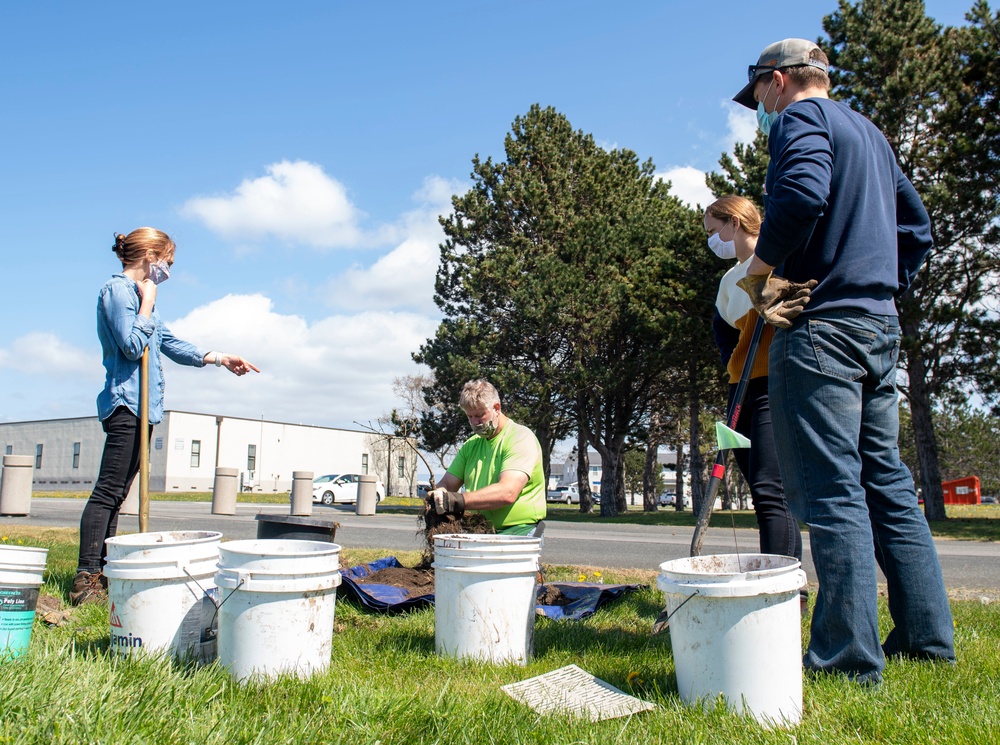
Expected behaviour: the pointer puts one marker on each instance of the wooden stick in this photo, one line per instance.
(732, 417)
(144, 443)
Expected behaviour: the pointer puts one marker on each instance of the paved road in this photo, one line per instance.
(968, 566)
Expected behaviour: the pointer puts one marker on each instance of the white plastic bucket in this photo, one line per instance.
(735, 631)
(484, 596)
(278, 604)
(162, 595)
(21, 574)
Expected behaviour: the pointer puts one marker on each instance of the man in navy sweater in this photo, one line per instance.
(843, 221)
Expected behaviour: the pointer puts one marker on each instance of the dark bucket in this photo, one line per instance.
(295, 527)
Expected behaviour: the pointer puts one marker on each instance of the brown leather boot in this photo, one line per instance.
(88, 588)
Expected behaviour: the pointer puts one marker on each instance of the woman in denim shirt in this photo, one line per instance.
(127, 323)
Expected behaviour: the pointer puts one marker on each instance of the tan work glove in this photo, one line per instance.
(446, 502)
(776, 299)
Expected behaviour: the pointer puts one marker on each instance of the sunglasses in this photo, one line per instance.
(754, 71)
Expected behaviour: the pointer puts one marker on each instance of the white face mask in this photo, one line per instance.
(722, 249)
(159, 272)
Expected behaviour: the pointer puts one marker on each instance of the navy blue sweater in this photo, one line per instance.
(839, 209)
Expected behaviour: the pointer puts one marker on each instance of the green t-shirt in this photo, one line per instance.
(480, 462)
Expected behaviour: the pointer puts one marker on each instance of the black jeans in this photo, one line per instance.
(119, 465)
(779, 531)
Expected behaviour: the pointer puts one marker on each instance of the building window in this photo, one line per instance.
(195, 453)
(364, 463)
(38, 455)
(251, 457)
(76, 455)
(400, 467)
(10, 450)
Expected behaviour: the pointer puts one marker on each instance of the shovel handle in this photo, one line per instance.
(732, 417)
(144, 442)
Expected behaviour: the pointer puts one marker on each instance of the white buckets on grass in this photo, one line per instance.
(484, 596)
(735, 630)
(277, 609)
(162, 595)
(21, 574)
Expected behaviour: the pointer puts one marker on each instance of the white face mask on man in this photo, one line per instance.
(722, 249)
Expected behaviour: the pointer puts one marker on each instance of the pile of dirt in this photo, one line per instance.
(414, 582)
(551, 595)
(420, 579)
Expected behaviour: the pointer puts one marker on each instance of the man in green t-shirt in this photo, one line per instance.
(500, 466)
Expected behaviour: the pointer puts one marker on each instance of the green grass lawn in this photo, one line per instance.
(386, 684)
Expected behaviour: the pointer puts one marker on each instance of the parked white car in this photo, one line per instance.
(342, 488)
(566, 494)
(669, 499)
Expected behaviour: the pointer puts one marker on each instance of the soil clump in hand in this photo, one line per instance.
(435, 524)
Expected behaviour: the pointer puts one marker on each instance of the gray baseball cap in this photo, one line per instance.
(785, 53)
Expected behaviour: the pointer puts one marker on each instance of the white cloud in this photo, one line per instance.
(688, 185)
(329, 370)
(296, 202)
(332, 371)
(437, 192)
(741, 124)
(687, 182)
(404, 277)
(45, 354)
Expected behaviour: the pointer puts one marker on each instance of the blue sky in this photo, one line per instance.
(299, 154)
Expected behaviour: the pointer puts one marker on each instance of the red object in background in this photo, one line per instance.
(961, 491)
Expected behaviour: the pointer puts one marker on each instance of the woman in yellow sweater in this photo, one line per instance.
(733, 224)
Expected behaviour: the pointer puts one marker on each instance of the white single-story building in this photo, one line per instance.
(186, 448)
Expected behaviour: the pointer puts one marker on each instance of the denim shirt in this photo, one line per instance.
(124, 334)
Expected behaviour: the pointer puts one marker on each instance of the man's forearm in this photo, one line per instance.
(494, 496)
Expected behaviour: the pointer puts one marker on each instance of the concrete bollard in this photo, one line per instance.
(131, 504)
(224, 491)
(15, 484)
(302, 492)
(367, 498)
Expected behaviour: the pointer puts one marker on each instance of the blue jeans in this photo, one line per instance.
(836, 424)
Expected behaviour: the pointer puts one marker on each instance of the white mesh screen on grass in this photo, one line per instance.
(575, 691)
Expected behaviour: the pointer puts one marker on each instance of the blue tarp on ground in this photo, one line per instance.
(380, 598)
(584, 597)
